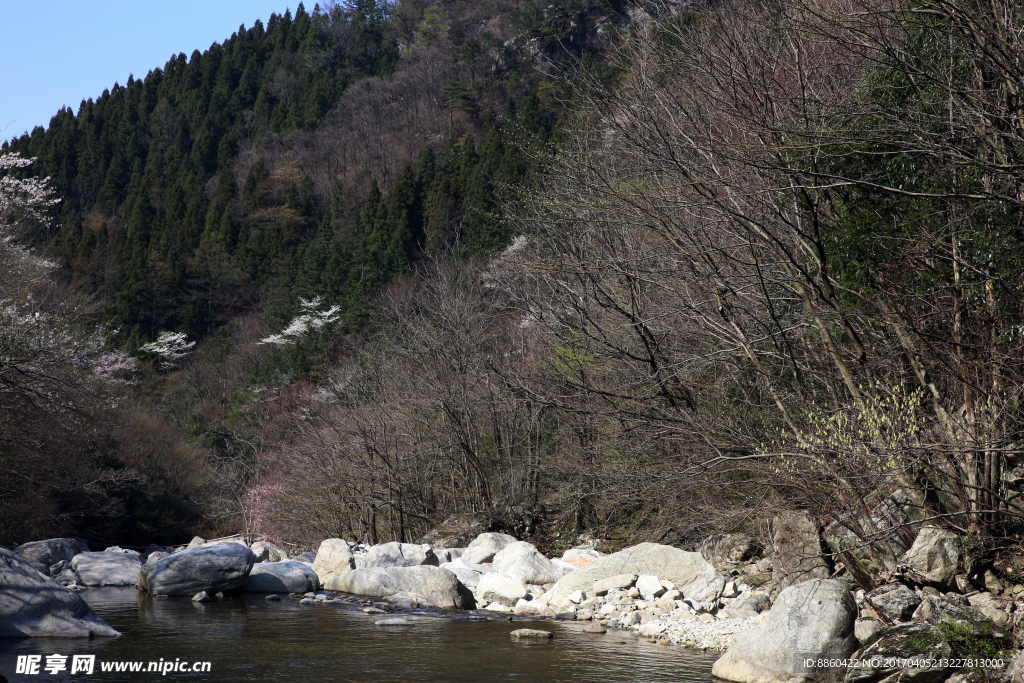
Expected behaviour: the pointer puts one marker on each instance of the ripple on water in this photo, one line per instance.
(249, 639)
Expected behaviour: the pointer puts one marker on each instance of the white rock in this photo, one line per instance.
(400, 555)
(652, 628)
(649, 586)
(485, 546)
(522, 561)
(334, 557)
(576, 597)
(107, 569)
(496, 588)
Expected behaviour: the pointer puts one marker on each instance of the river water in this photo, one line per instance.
(246, 638)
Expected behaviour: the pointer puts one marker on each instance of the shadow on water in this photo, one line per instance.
(246, 638)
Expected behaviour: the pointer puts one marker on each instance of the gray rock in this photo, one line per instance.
(755, 602)
(798, 555)
(613, 583)
(893, 602)
(306, 558)
(281, 577)
(273, 598)
(265, 551)
(196, 542)
(903, 643)
(56, 568)
(993, 584)
(732, 549)
(935, 555)
(811, 620)
(52, 550)
(67, 577)
(394, 621)
(470, 577)
(485, 546)
(126, 551)
(736, 614)
(201, 596)
(455, 532)
(211, 568)
(501, 589)
(40, 567)
(594, 627)
(522, 561)
(107, 569)
(156, 555)
(935, 609)
(334, 557)
(688, 572)
(532, 633)
(399, 555)
(867, 630)
(990, 606)
(32, 605)
(649, 586)
(439, 587)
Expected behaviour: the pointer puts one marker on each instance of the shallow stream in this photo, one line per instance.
(246, 638)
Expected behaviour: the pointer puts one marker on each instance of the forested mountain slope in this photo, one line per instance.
(322, 155)
(188, 189)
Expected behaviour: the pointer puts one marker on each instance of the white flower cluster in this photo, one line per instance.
(310, 319)
(169, 347)
(22, 199)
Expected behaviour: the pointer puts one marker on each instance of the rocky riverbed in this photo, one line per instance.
(769, 614)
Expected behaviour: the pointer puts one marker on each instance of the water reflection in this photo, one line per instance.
(248, 639)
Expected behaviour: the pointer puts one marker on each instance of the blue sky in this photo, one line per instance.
(63, 51)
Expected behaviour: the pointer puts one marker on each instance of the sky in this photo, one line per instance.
(64, 51)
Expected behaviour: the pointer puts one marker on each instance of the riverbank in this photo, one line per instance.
(768, 613)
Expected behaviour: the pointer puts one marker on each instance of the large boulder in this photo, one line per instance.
(332, 558)
(689, 572)
(32, 605)
(434, 585)
(811, 620)
(399, 555)
(107, 568)
(522, 561)
(281, 577)
(797, 546)
(485, 546)
(52, 550)
(265, 551)
(209, 568)
(503, 590)
(469, 574)
(935, 555)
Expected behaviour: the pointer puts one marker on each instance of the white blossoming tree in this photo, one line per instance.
(169, 347)
(58, 376)
(312, 319)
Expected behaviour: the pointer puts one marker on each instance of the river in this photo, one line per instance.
(246, 638)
